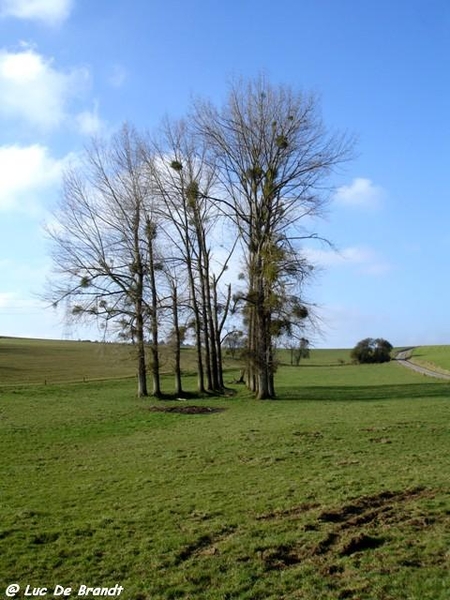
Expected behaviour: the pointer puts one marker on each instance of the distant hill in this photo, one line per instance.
(40, 361)
(49, 361)
(24, 361)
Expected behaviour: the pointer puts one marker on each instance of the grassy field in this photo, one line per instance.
(34, 361)
(338, 489)
(58, 361)
(50, 361)
(434, 357)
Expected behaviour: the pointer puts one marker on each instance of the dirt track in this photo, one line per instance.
(403, 359)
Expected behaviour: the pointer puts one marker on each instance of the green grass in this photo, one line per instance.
(49, 361)
(56, 361)
(434, 357)
(338, 489)
(322, 358)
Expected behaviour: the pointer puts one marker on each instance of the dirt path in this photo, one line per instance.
(403, 359)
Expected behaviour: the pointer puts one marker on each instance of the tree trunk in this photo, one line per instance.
(264, 362)
(155, 371)
(154, 317)
(251, 350)
(176, 327)
(140, 341)
(198, 339)
(263, 386)
(210, 333)
(197, 322)
(216, 327)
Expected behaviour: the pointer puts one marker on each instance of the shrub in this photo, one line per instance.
(372, 350)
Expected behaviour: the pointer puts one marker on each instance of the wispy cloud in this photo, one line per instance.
(50, 12)
(34, 91)
(27, 171)
(361, 193)
(89, 122)
(365, 259)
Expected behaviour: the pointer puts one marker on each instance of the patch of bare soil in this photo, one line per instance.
(374, 513)
(367, 509)
(333, 541)
(360, 543)
(205, 545)
(189, 409)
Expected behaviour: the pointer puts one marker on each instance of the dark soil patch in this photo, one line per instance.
(280, 557)
(359, 543)
(195, 548)
(187, 409)
(371, 506)
(343, 538)
(205, 545)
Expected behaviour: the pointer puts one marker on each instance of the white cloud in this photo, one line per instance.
(50, 12)
(330, 258)
(365, 259)
(89, 122)
(361, 193)
(26, 172)
(33, 90)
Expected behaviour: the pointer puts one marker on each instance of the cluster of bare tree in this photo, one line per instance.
(147, 225)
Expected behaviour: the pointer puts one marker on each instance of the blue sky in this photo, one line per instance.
(70, 69)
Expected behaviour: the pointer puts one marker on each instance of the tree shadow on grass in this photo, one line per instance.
(366, 392)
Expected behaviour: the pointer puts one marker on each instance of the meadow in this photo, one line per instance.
(436, 357)
(337, 489)
(52, 361)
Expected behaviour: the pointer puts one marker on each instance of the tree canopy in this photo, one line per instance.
(147, 225)
(372, 350)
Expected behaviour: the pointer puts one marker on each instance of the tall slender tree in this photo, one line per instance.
(183, 181)
(273, 156)
(103, 237)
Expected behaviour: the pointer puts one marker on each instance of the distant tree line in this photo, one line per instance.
(148, 223)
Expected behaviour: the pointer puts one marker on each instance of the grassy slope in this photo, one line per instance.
(323, 358)
(37, 361)
(339, 489)
(56, 361)
(434, 357)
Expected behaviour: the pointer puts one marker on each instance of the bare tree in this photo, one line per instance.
(103, 238)
(299, 348)
(183, 182)
(233, 342)
(273, 156)
(176, 301)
